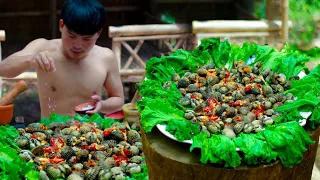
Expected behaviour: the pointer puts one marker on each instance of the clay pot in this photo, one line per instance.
(82, 108)
(131, 113)
(6, 113)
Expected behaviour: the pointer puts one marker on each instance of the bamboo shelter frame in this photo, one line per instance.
(184, 35)
(270, 28)
(141, 33)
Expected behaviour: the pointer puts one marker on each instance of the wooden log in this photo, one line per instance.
(220, 26)
(2, 35)
(168, 159)
(150, 29)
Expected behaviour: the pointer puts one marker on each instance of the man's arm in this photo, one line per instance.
(22, 60)
(113, 85)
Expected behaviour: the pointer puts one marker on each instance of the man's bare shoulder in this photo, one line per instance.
(105, 53)
(104, 50)
(107, 56)
(43, 44)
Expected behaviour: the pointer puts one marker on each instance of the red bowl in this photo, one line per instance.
(115, 115)
(6, 113)
(84, 107)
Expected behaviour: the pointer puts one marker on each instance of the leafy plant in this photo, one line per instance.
(12, 166)
(304, 29)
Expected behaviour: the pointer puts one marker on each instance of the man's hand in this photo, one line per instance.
(98, 100)
(43, 61)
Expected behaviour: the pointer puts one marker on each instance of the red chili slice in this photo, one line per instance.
(258, 112)
(248, 88)
(119, 159)
(56, 160)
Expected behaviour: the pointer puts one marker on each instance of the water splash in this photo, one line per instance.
(51, 103)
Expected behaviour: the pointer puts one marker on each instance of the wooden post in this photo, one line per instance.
(2, 38)
(116, 48)
(284, 27)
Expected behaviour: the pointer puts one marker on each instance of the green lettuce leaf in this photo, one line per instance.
(158, 111)
(12, 166)
(182, 129)
(255, 150)
(216, 149)
(7, 135)
(288, 140)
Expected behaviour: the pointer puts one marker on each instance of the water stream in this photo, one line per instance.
(51, 102)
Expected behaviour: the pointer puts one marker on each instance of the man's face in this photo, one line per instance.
(77, 46)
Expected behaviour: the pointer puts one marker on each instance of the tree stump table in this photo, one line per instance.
(167, 159)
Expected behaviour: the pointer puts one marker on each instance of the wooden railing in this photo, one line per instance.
(232, 29)
(121, 36)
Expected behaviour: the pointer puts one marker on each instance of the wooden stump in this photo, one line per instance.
(167, 159)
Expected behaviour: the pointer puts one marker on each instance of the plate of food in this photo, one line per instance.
(302, 122)
(236, 94)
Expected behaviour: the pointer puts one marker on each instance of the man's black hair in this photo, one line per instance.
(84, 17)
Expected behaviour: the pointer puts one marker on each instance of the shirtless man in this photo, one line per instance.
(72, 70)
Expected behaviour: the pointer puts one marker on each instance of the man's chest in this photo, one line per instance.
(70, 80)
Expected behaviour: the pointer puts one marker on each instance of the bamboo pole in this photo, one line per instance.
(2, 35)
(0, 76)
(137, 96)
(150, 29)
(284, 27)
(132, 72)
(219, 26)
(116, 48)
(234, 34)
(152, 37)
(136, 50)
(2, 38)
(132, 52)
